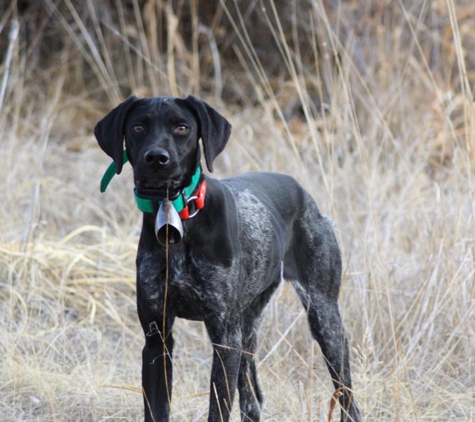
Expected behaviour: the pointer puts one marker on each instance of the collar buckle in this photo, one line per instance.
(195, 202)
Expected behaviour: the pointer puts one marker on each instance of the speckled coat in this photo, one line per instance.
(254, 231)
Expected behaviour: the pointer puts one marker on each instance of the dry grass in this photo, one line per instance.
(388, 153)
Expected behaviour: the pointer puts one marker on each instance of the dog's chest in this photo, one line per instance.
(176, 277)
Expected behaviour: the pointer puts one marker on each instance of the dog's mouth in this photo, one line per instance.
(158, 188)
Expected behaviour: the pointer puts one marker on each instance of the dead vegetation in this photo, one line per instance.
(369, 106)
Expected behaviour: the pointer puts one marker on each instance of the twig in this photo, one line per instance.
(8, 59)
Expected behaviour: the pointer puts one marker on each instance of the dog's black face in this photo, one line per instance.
(161, 138)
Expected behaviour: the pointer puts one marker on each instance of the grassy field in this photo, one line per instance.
(380, 128)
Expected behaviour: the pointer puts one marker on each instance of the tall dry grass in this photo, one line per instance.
(375, 118)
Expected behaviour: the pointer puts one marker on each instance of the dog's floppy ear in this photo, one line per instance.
(109, 131)
(214, 129)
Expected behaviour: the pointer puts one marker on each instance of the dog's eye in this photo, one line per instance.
(181, 130)
(138, 128)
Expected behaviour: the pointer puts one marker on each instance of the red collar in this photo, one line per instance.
(194, 203)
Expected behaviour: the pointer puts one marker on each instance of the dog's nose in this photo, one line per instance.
(158, 156)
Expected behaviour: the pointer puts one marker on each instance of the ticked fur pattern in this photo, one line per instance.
(254, 231)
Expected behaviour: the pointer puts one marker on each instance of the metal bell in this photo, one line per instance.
(168, 217)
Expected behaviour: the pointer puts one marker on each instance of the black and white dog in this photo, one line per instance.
(240, 237)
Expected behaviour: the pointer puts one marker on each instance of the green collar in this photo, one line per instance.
(149, 205)
(180, 202)
(111, 171)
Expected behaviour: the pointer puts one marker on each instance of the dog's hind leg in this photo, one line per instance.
(326, 327)
(250, 394)
(315, 272)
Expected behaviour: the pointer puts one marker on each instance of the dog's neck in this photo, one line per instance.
(190, 195)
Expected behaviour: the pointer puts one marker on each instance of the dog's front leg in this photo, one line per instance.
(227, 349)
(157, 372)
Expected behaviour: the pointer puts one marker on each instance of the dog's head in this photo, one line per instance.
(161, 139)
